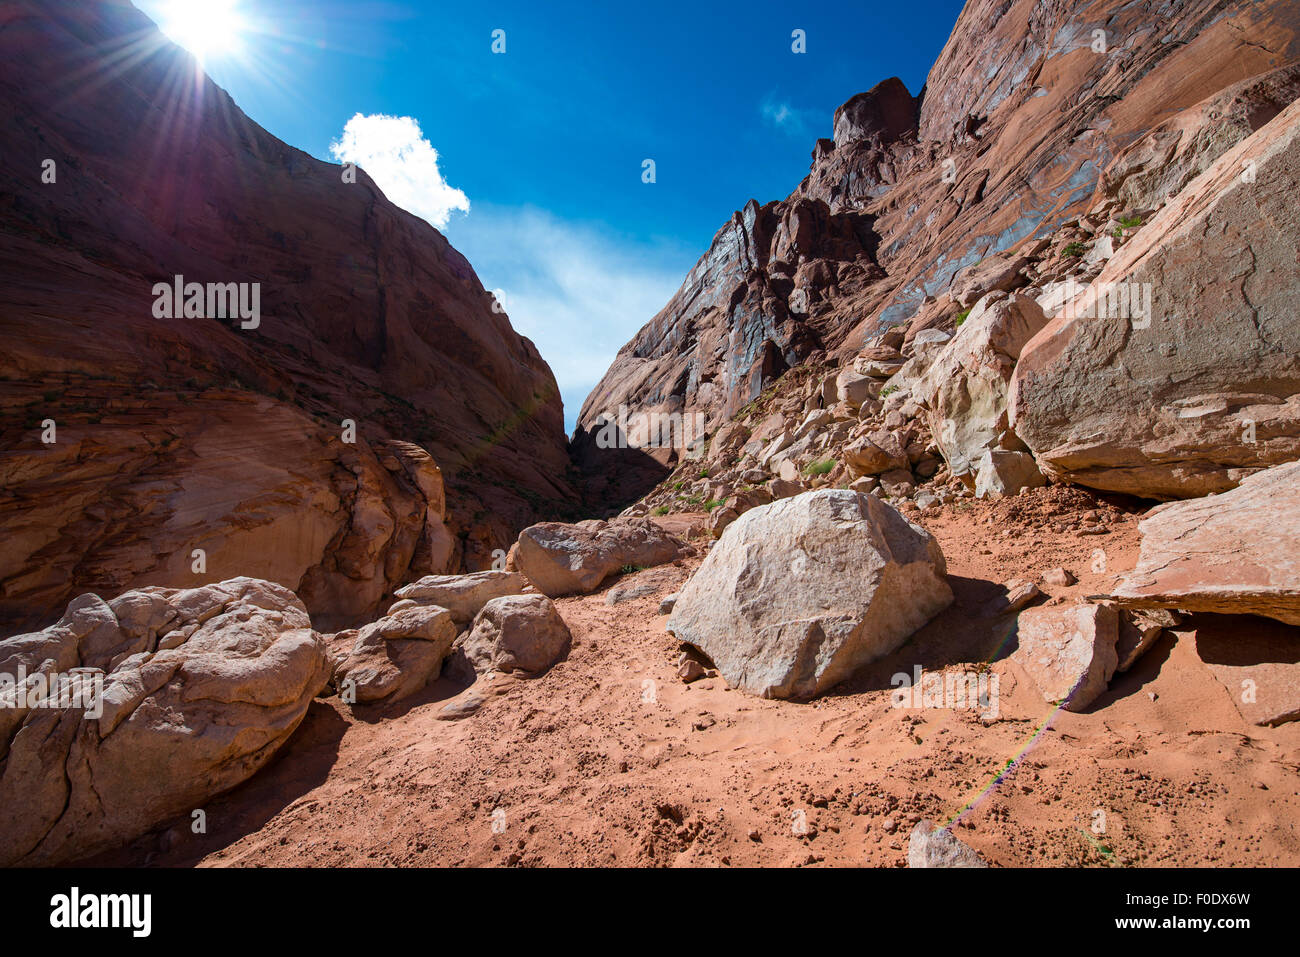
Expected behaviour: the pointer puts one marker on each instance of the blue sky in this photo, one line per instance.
(545, 142)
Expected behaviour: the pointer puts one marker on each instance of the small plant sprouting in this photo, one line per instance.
(1073, 249)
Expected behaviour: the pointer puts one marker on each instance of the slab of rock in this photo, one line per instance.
(1000, 473)
(462, 595)
(393, 657)
(1138, 630)
(931, 846)
(799, 593)
(1187, 398)
(562, 559)
(965, 388)
(1258, 663)
(1232, 553)
(873, 454)
(1069, 651)
(201, 687)
(517, 633)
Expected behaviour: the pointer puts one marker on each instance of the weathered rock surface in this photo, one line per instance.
(201, 687)
(965, 388)
(999, 473)
(799, 593)
(931, 846)
(462, 595)
(204, 432)
(1069, 651)
(1022, 115)
(1189, 398)
(562, 559)
(1232, 553)
(516, 633)
(394, 657)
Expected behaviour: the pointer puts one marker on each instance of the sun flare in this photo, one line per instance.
(207, 28)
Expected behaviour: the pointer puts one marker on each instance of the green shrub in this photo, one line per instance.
(1074, 249)
(819, 468)
(961, 316)
(711, 504)
(661, 510)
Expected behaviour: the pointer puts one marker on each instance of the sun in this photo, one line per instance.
(207, 28)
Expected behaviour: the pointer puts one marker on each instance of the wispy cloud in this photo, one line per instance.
(779, 114)
(580, 291)
(402, 162)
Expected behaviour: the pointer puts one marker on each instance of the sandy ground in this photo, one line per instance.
(609, 759)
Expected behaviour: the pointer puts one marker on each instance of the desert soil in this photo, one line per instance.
(609, 759)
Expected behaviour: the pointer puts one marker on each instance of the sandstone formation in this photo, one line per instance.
(517, 633)
(562, 559)
(201, 687)
(225, 433)
(462, 595)
(1069, 651)
(1041, 127)
(931, 846)
(393, 657)
(799, 593)
(1233, 552)
(1186, 398)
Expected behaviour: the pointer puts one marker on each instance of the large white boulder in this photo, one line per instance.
(797, 594)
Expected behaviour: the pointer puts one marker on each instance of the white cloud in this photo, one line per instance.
(404, 164)
(579, 291)
(783, 116)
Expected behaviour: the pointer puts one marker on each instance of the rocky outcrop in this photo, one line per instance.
(1232, 553)
(462, 595)
(200, 688)
(225, 433)
(1201, 385)
(799, 593)
(1033, 119)
(394, 657)
(562, 559)
(1068, 651)
(517, 633)
(965, 388)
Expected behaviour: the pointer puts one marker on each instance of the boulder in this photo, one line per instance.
(462, 595)
(854, 388)
(394, 657)
(1069, 651)
(516, 633)
(1232, 553)
(1000, 473)
(965, 388)
(1138, 630)
(931, 846)
(1198, 385)
(201, 687)
(997, 273)
(872, 454)
(561, 559)
(799, 593)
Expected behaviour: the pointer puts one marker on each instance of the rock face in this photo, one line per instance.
(214, 432)
(462, 595)
(1233, 553)
(965, 388)
(562, 559)
(1069, 651)
(931, 846)
(200, 688)
(799, 593)
(1030, 119)
(1204, 385)
(393, 657)
(516, 633)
